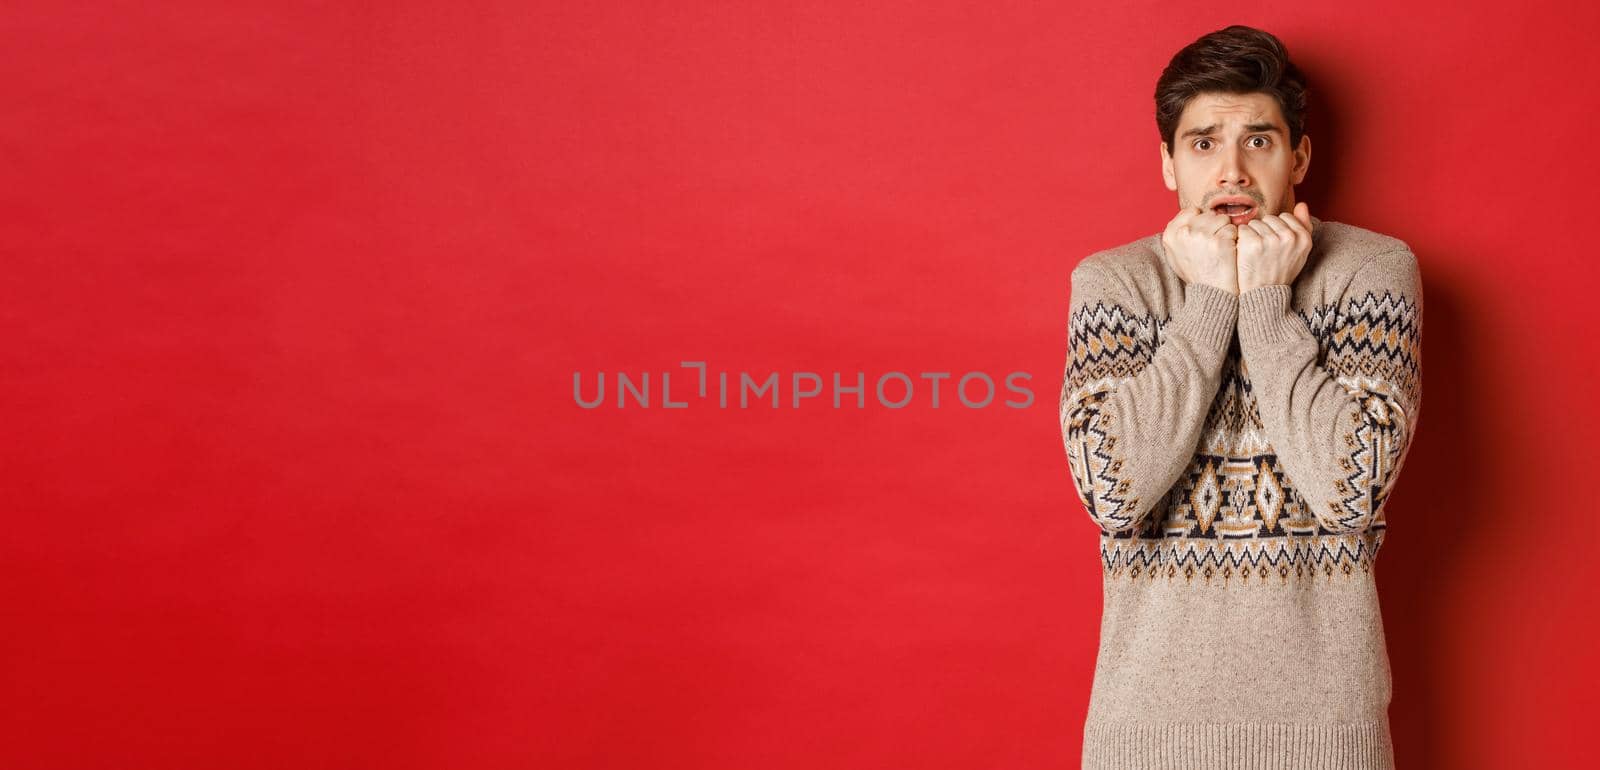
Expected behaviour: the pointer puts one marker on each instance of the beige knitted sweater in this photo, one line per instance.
(1239, 481)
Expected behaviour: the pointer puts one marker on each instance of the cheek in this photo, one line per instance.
(1184, 175)
(1279, 167)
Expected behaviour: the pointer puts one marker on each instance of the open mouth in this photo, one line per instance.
(1237, 212)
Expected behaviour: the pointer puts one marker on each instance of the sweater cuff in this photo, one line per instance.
(1208, 315)
(1265, 316)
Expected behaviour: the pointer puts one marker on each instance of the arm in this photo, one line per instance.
(1340, 429)
(1132, 407)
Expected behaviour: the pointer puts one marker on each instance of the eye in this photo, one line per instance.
(1264, 141)
(1200, 142)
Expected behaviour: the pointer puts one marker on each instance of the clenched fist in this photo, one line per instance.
(1201, 248)
(1273, 249)
(1204, 247)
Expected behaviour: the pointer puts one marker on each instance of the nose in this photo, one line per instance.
(1232, 171)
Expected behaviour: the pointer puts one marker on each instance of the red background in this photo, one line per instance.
(294, 293)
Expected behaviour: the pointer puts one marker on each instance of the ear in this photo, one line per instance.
(1166, 169)
(1302, 159)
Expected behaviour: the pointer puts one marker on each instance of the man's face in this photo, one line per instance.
(1235, 148)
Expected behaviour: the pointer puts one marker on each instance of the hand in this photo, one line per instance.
(1201, 246)
(1272, 250)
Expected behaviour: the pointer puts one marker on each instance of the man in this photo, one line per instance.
(1240, 393)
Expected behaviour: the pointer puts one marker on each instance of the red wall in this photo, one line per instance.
(294, 293)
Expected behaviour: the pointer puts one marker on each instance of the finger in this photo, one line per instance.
(1274, 225)
(1261, 233)
(1184, 218)
(1261, 226)
(1296, 233)
(1293, 222)
(1302, 212)
(1212, 221)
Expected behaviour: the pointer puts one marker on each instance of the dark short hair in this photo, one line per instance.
(1235, 60)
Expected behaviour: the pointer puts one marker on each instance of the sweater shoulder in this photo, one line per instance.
(1139, 258)
(1132, 274)
(1345, 248)
(1342, 253)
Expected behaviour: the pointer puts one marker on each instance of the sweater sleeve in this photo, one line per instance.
(1135, 396)
(1341, 428)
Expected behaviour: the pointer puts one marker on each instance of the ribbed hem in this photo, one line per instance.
(1207, 316)
(1265, 316)
(1237, 746)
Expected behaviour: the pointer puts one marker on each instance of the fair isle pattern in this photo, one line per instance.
(1265, 561)
(1232, 498)
(1241, 625)
(1234, 512)
(1372, 350)
(1106, 343)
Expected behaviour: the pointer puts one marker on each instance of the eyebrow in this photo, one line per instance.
(1249, 127)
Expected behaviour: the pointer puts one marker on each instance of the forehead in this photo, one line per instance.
(1229, 110)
